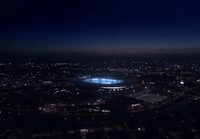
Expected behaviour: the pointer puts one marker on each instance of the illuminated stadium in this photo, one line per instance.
(104, 83)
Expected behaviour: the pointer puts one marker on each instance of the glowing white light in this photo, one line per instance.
(182, 82)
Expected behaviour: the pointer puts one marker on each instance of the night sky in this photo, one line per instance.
(100, 26)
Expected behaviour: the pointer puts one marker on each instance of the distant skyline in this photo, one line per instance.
(100, 27)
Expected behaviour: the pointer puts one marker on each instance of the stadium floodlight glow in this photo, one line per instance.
(102, 81)
(121, 87)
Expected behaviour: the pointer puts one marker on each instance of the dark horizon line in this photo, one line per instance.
(3, 54)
